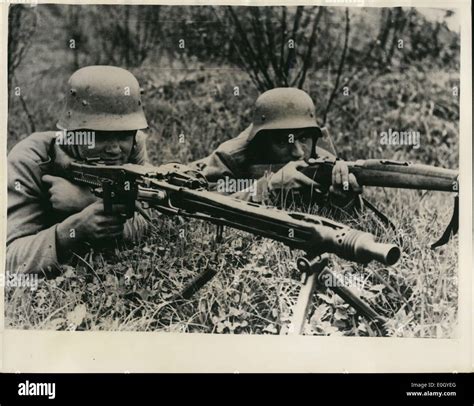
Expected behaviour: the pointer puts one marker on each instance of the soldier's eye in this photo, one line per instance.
(123, 138)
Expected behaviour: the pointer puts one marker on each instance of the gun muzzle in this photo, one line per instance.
(365, 249)
(361, 247)
(387, 254)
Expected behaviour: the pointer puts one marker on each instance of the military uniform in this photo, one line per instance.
(32, 222)
(276, 109)
(231, 159)
(99, 98)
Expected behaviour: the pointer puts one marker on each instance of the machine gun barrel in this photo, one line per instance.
(313, 234)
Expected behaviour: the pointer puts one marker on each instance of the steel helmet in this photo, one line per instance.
(283, 108)
(103, 98)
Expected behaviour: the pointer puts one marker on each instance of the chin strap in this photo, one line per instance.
(452, 227)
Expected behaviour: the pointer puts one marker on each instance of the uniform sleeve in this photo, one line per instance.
(215, 166)
(31, 246)
(219, 166)
(257, 193)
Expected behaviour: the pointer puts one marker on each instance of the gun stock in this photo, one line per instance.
(378, 172)
(405, 175)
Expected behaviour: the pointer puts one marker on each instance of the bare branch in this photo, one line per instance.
(341, 66)
(307, 57)
(291, 51)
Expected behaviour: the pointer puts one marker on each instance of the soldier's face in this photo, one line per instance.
(113, 147)
(289, 145)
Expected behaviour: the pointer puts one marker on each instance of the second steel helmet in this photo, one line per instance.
(283, 108)
(103, 98)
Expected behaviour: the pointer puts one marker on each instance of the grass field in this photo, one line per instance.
(257, 282)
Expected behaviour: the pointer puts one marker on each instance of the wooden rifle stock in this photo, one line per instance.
(377, 172)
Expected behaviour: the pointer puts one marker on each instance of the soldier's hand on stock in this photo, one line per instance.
(91, 224)
(66, 196)
(289, 177)
(344, 186)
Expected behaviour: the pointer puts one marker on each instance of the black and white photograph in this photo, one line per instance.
(233, 170)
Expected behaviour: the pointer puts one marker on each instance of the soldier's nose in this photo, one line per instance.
(297, 152)
(113, 146)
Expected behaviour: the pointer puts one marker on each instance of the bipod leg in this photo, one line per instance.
(310, 270)
(345, 292)
(313, 271)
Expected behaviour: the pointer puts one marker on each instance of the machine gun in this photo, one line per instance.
(384, 173)
(175, 189)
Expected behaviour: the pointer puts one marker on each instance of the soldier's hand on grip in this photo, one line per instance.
(91, 224)
(66, 196)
